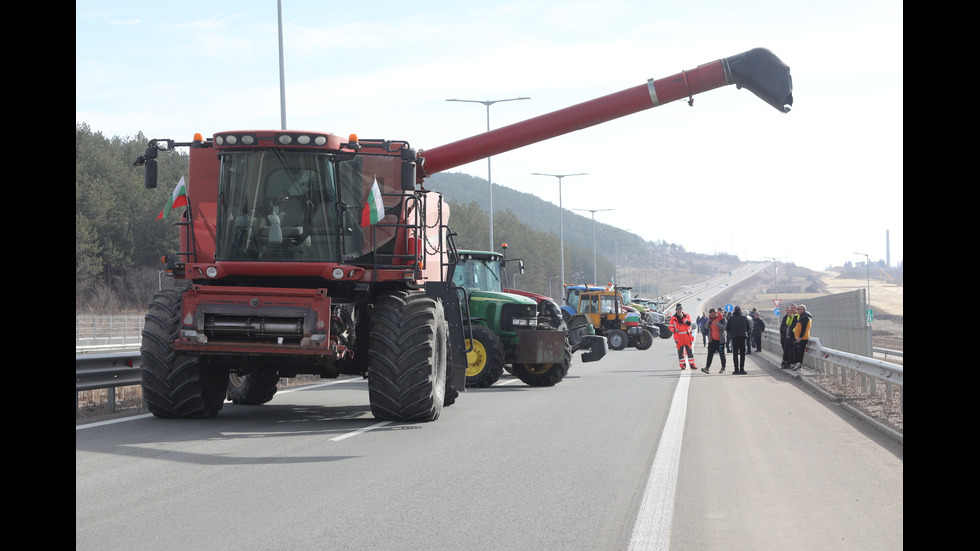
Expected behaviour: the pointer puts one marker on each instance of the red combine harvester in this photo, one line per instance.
(305, 253)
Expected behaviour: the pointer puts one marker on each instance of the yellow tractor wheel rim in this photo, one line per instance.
(538, 369)
(476, 359)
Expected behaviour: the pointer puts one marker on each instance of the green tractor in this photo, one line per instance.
(522, 333)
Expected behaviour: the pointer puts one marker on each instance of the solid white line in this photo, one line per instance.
(652, 529)
(359, 431)
(111, 421)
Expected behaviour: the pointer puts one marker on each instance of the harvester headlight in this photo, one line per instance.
(338, 273)
(231, 139)
(248, 139)
(303, 140)
(320, 140)
(285, 139)
(211, 271)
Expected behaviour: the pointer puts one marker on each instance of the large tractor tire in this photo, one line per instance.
(485, 362)
(253, 389)
(643, 340)
(548, 374)
(617, 339)
(664, 331)
(407, 357)
(176, 385)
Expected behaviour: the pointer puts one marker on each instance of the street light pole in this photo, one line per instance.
(282, 72)
(616, 253)
(775, 276)
(488, 103)
(595, 266)
(561, 218)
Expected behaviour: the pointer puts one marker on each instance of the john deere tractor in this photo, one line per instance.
(511, 331)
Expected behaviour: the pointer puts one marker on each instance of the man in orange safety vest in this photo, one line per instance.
(680, 327)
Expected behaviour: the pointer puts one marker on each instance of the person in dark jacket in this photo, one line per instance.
(703, 328)
(738, 331)
(758, 326)
(801, 336)
(786, 338)
(752, 317)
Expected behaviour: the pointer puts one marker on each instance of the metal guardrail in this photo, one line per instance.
(888, 352)
(100, 368)
(867, 372)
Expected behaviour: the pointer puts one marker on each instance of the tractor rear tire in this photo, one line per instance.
(176, 386)
(548, 374)
(643, 340)
(486, 360)
(617, 339)
(407, 357)
(253, 389)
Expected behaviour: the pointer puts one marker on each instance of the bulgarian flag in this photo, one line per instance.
(374, 209)
(177, 199)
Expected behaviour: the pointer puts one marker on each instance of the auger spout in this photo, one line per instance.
(757, 70)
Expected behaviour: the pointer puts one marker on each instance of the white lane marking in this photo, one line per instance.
(111, 421)
(279, 391)
(652, 529)
(359, 431)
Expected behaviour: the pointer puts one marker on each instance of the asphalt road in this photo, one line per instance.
(626, 453)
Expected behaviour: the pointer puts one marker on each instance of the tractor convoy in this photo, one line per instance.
(308, 253)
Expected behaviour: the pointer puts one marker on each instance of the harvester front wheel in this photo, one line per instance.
(485, 362)
(407, 357)
(176, 385)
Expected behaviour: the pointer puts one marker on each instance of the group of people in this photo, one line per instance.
(739, 333)
(794, 335)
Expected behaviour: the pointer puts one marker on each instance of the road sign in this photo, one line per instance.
(871, 315)
(776, 301)
(729, 308)
(775, 312)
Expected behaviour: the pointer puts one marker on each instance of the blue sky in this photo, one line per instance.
(728, 175)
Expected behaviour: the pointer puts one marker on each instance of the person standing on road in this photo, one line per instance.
(716, 336)
(738, 331)
(801, 333)
(758, 326)
(680, 326)
(786, 339)
(728, 334)
(752, 317)
(703, 328)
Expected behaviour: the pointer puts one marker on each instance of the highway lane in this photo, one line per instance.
(763, 464)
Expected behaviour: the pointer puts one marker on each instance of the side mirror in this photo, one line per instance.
(408, 175)
(150, 171)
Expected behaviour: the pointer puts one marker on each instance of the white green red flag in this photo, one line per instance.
(177, 199)
(374, 208)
